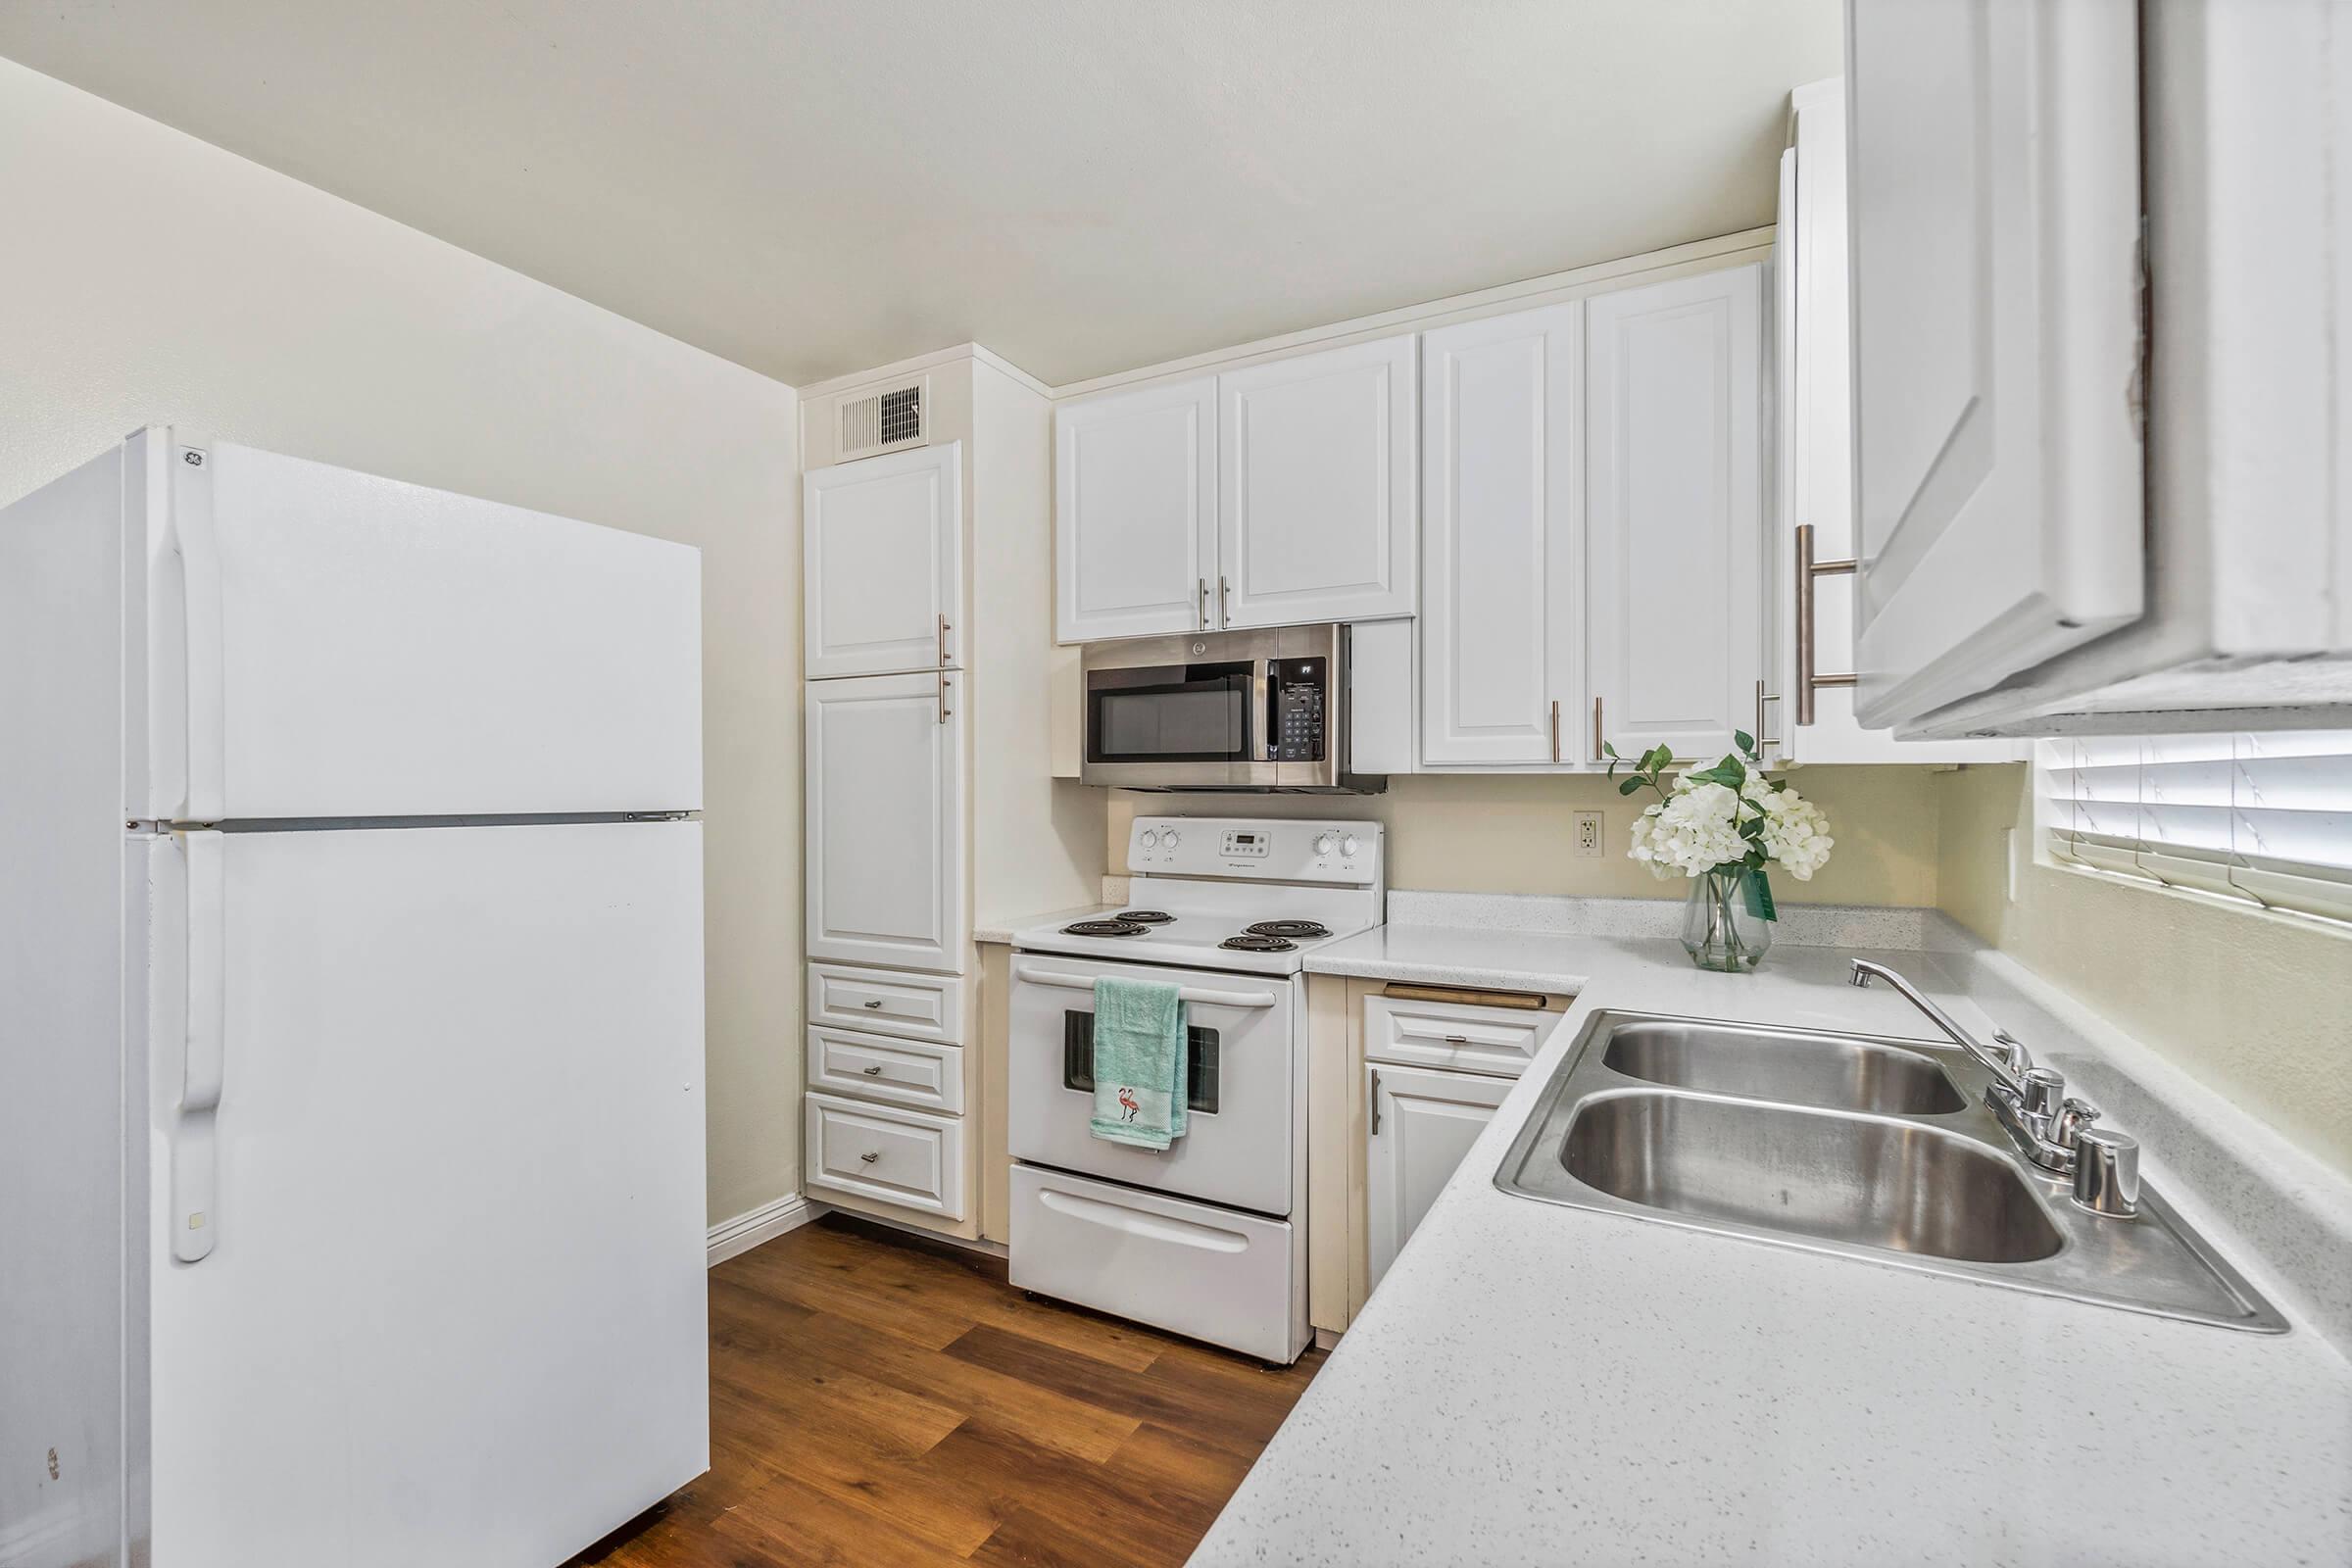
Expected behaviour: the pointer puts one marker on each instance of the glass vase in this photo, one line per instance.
(1721, 929)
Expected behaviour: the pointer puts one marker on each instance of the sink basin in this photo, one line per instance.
(1830, 1072)
(1874, 1183)
(1872, 1149)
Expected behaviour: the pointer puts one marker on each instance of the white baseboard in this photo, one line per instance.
(765, 1223)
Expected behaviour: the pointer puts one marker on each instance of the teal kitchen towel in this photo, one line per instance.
(1140, 1066)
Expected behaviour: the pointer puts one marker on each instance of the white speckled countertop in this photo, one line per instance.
(1538, 1384)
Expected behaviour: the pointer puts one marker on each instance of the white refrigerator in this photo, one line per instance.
(351, 1021)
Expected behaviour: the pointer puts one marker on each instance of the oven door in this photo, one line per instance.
(1243, 1090)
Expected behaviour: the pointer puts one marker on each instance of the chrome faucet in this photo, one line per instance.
(2049, 1128)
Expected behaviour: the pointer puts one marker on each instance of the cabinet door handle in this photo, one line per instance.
(1763, 740)
(1807, 568)
(944, 710)
(1597, 757)
(943, 641)
(1375, 1103)
(1555, 729)
(1204, 586)
(1224, 601)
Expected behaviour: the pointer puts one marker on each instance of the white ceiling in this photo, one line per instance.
(1083, 185)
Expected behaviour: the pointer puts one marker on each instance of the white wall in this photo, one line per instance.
(147, 278)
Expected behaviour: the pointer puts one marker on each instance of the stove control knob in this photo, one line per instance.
(1323, 842)
(1348, 846)
(1150, 840)
(1167, 839)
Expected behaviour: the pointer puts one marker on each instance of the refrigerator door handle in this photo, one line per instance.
(195, 1207)
(203, 663)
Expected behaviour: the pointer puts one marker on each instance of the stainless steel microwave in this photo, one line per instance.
(1222, 710)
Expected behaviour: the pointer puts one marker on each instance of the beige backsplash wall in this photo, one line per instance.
(2258, 1006)
(1512, 833)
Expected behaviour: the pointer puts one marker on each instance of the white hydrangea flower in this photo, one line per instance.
(1696, 828)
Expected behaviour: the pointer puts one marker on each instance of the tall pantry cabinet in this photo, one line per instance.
(925, 708)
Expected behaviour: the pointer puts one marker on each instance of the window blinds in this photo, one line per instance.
(2263, 817)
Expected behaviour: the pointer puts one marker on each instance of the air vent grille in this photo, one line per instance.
(882, 422)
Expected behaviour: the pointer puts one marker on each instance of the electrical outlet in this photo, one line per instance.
(1587, 835)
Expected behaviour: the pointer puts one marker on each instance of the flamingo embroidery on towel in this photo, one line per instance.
(1127, 1099)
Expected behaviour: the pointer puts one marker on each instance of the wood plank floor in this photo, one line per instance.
(880, 1400)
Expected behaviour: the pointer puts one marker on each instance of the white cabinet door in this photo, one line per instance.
(886, 851)
(1673, 513)
(1994, 205)
(1135, 522)
(1501, 515)
(883, 542)
(1816, 450)
(1318, 510)
(1422, 1123)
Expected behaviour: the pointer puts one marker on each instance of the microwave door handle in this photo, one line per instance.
(1261, 687)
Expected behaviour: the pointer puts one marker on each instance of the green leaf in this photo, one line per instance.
(1747, 742)
(1607, 750)
(1658, 758)
(1629, 786)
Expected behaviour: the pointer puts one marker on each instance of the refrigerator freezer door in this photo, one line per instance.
(327, 644)
(454, 1313)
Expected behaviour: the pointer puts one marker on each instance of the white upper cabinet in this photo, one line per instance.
(1135, 522)
(1815, 471)
(885, 866)
(1502, 433)
(883, 546)
(1994, 203)
(1317, 495)
(1673, 514)
(2023, 572)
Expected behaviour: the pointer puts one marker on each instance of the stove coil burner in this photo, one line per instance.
(1144, 917)
(1254, 941)
(1309, 930)
(1105, 928)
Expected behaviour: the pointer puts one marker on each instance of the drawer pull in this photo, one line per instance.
(875, 1071)
(876, 1004)
(1457, 1040)
(870, 1156)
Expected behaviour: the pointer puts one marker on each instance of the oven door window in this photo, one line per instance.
(1199, 714)
(1201, 1052)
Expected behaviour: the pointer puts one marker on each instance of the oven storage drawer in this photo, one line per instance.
(1232, 1279)
(905, 1158)
(920, 1007)
(904, 1072)
(1455, 1036)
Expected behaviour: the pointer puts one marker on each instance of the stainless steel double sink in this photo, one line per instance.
(1871, 1148)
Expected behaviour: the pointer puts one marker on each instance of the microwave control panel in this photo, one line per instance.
(1300, 720)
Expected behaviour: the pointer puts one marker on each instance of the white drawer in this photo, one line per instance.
(904, 1072)
(906, 1157)
(1453, 1034)
(919, 1007)
(1217, 1274)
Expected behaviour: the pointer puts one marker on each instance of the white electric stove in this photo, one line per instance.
(1209, 1237)
(1231, 893)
